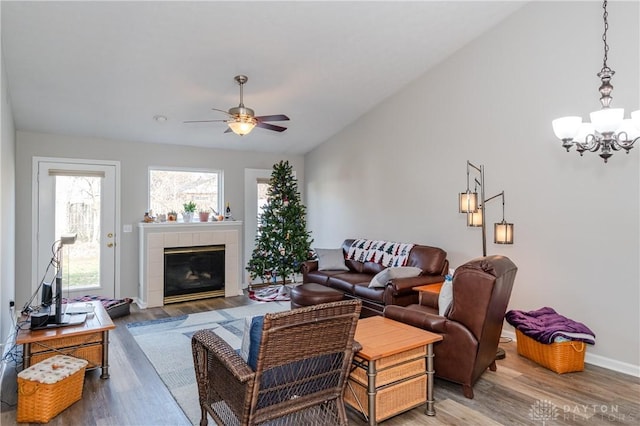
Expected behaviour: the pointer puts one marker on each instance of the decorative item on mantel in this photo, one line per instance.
(148, 218)
(227, 213)
(189, 211)
(203, 215)
(608, 130)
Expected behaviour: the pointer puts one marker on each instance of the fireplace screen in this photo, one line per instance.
(193, 273)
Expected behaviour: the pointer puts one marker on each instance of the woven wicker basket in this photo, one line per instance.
(561, 357)
(390, 401)
(40, 402)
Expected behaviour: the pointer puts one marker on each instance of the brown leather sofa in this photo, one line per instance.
(472, 326)
(354, 283)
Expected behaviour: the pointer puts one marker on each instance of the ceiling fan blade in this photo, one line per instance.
(221, 110)
(277, 117)
(270, 127)
(204, 121)
(228, 130)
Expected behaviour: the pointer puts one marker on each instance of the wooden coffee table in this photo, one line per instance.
(390, 375)
(89, 340)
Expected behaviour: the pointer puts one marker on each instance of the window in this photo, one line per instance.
(169, 189)
(262, 190)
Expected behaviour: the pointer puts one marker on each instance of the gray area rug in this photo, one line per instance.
(167, 345)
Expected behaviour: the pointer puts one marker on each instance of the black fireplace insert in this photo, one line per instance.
(192, 273)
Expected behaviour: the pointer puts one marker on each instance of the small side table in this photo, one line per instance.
(393, 372)
(429, 288)
(89, 341)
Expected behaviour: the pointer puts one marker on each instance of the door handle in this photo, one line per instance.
(110, 245)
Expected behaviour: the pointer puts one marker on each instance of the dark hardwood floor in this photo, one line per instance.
(514, 395)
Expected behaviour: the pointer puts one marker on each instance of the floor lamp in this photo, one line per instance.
(475, 207)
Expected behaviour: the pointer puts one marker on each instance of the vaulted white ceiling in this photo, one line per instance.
(105, 69)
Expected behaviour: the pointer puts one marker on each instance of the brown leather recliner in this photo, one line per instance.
(472, 326)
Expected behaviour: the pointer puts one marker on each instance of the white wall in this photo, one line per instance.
(396, 172)
(7, 211)
(135, 160)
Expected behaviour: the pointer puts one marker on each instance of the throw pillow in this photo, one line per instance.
(445, 298)
(331, 260)
(251, 339)
(244, 346)
(383, 277)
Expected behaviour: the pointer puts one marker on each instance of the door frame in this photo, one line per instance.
(35, 278)
(250, 213)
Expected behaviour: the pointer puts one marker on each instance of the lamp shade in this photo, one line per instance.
(475, 218)
(468, 202)
(242, 125)
(566, 127)
(584, 131)
(503, 233)
(607, 119)
(628, 130)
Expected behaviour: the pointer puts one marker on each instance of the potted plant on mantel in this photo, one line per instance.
(189, 210)
(204, 215)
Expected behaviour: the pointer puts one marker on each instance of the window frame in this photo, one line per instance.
(220, 173)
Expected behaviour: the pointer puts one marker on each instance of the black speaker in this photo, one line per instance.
(47, 294)
(39, 320)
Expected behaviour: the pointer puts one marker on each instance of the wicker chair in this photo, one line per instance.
(302, 368)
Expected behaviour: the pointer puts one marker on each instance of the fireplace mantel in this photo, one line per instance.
(154, 237)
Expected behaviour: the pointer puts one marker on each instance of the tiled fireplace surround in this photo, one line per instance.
(154, 237)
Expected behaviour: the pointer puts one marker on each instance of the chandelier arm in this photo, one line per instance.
(591, 144)
(596, 147)
(624, 143)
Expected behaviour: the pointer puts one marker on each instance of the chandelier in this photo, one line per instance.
(608, 130)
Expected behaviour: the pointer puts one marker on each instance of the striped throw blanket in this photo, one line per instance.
(386, 253)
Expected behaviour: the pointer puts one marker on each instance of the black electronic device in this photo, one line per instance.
(39, 320)
(55, 317)
(58, 313)
(47, 294)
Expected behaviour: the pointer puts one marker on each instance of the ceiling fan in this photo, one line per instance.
(242, 119)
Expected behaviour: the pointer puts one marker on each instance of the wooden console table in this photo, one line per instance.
(390, 375)
(89, 340)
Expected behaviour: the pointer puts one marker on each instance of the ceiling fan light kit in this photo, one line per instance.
(242, 119)
(242, 125)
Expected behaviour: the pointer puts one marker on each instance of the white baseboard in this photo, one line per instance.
(597, 360)
(140, 303)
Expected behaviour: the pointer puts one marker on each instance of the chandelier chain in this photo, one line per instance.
(604, 35)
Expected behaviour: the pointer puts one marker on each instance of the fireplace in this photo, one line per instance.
(192, 273)
(155, 237)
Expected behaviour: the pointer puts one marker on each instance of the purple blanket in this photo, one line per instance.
(545, 324)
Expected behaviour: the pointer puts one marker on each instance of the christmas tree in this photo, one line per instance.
(282, 242)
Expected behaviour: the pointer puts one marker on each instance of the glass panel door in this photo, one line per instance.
(78, 197)
(77, 211)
